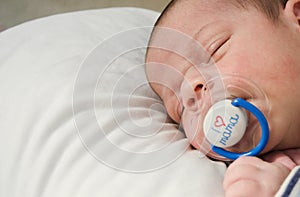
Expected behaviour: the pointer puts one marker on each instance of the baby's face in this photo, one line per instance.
(243, 43)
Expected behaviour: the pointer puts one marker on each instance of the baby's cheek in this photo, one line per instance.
(171, 105)
(193, 129)
(289, 69)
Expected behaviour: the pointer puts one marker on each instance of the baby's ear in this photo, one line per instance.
(292, 11)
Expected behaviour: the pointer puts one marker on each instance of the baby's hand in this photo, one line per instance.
(251, 176)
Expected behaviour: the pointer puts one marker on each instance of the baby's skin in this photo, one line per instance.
(242, 42)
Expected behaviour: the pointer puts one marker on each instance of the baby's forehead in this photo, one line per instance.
(174, 47)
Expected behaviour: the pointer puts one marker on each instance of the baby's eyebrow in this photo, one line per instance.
(209, 30)
(199, 34)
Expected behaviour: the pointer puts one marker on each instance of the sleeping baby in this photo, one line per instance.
(204, 51)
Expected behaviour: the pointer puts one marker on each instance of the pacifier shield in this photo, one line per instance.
(224, 124)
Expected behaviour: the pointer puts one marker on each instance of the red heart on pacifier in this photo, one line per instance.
(219, 121)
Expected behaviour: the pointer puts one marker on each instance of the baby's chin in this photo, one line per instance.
(205, 148)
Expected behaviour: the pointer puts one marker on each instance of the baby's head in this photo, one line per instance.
(253, 39)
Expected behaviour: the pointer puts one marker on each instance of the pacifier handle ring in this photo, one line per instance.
(239, 102)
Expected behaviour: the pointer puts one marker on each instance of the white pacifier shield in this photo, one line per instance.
(224, 124)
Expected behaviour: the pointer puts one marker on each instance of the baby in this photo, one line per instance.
(254, 39)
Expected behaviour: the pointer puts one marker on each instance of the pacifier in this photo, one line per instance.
(226, 122)
(230, 111)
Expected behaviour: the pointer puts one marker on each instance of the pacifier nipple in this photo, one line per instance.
(224, 124)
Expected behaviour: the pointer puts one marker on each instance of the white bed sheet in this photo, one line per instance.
(75, 123)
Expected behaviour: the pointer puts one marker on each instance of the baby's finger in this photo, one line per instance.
(294, 154)
(280, 157)
(242, 169)
(255, 161)
(246, 188)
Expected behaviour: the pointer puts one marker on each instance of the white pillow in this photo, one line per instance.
(78, 118)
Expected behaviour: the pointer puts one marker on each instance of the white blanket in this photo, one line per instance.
(77, 117)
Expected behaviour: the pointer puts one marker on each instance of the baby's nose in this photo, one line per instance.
(191, 90)
(191, 96)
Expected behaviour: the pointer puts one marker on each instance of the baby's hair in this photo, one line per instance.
(268, 7)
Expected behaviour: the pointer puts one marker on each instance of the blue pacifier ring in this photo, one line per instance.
(239, 102)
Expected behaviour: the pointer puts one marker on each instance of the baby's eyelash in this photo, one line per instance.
(216, 45)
